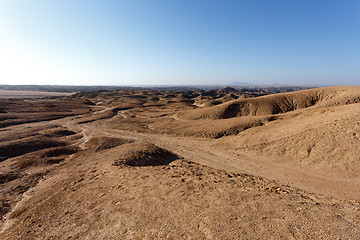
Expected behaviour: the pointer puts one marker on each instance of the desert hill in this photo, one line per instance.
(216, 164)
(279, 103)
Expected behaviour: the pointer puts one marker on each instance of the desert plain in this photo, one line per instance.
(146, 164)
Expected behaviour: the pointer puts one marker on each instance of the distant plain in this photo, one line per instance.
(29, 94)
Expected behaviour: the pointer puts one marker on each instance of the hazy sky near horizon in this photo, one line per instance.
(179, 42)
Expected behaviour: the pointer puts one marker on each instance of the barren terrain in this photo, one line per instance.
(220, 164)
(6, 94)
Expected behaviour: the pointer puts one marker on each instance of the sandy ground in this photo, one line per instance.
(126, 165)
(30, 94)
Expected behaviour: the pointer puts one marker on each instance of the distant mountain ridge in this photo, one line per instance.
(238, 84)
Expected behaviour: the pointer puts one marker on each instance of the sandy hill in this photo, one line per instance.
(279, 103)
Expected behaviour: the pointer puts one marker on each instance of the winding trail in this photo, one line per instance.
(216, 154)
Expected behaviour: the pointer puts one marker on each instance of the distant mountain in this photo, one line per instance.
(245, 84)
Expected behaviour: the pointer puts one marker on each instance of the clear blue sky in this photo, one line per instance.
(140, 42)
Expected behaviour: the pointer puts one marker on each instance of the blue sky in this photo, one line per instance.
(180, 42)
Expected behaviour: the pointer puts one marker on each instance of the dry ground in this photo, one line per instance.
(6, 94)
(169, 165)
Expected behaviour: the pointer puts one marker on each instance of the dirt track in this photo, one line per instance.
(220, 154)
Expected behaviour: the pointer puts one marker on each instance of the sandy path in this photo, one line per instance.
(210, 153)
